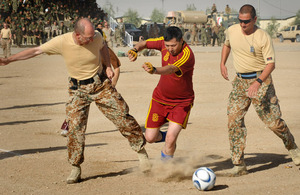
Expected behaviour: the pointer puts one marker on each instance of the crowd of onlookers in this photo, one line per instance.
(33, 22)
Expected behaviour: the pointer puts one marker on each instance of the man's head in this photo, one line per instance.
(5, 25)
(247, 18)
(84, 31)
(100, 26)
(173, 40)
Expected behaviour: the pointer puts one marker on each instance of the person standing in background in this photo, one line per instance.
(6, 37)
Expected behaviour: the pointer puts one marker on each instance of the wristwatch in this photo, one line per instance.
(259, 80)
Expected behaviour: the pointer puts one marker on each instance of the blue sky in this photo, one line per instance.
(267, 8)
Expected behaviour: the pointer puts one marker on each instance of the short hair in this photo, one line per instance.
(248, 9)
(173, 32)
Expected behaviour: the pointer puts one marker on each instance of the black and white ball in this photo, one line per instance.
(204, 178)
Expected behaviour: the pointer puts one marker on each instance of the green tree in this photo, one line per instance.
(157, 16)
(297, 20)
(191, 7)
(132, 16)
(272, 27)
(109, 9)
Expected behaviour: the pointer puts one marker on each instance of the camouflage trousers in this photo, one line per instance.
(266, 106)
(110, 103)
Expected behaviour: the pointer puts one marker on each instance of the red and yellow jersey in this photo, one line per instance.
(177, 88)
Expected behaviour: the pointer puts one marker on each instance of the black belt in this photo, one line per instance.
(77, 83)
(5, 38)
(82, 82)
(249, 75)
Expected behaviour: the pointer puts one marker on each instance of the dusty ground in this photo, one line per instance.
(33, 158)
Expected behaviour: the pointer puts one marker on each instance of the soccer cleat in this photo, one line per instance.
(165, 157)
(64, 133)
(237, 170)
(74, 177)
(295, 155)
(145, 165)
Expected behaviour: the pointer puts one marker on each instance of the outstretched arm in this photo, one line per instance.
(132, 54)
(170, 69)
(23, 55)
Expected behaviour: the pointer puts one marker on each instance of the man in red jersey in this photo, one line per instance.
(173, 97)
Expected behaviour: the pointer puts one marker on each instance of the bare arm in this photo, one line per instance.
(106, 61)
(139, 47)
(116, 77)
(23, 55)
(169, 69)
(224, 56)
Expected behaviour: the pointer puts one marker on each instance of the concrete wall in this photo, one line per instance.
(283, 22)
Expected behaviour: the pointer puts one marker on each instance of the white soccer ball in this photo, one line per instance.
(204, 178)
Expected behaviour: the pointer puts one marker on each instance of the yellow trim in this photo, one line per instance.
(150, 106)
(184, 58)
(155, 39)
(175, 122)
(185, 120)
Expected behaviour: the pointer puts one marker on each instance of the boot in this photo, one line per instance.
(74, 177)
(145, 165)
(237, 170)
(295, 155)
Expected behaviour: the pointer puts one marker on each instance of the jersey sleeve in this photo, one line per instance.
(155, 43)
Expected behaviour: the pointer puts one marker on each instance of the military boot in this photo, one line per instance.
(237, 170)
(74, 177)
(295, 155)
(145, 164)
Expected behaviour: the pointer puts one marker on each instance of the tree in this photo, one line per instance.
(157, 16)
(297, 20)
(132, 16)
(191, 7)
(109, 9)
(272, 27)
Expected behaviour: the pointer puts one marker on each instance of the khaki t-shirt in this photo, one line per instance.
(244, 60)
(82, 62)
(5, 33)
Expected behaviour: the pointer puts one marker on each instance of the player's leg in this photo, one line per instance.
(178, 118)
(269, 112)
(77, 115)
(170, 144)
(114, 107)
(238, 106)
(155, 119)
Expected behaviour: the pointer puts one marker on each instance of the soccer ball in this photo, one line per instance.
(204, 178)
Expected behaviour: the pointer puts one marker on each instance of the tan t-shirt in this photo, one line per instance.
(5, 33)
(82, 62)
(244, 60)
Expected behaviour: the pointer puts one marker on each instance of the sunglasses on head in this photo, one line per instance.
(245, 21)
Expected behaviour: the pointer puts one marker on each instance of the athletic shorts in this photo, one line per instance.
(159, 114)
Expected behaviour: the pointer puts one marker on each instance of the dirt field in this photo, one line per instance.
(33, 157)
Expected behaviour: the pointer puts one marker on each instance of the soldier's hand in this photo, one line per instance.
(110, 73)
(149, 67)
(224, 72)
(3, 61)
(132, 54)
